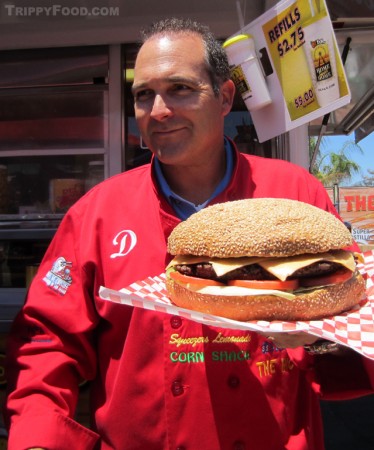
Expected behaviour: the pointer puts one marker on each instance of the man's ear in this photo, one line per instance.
(227, 93)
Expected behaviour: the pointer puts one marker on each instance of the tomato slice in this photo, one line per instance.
(185, 279)
(288, 285)
(338, 277)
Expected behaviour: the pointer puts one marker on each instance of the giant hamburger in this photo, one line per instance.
(263, 259)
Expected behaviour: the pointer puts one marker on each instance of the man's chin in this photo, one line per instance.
(171, 155)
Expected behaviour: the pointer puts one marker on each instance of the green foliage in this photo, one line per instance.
(335, 167)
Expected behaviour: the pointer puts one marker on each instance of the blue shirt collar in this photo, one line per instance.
(182, 207)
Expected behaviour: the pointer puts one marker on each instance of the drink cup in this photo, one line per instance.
(246, 71)
(320, 54)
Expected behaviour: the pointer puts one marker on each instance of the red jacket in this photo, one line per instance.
(158, 381)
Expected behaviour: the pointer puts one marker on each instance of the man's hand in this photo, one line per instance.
(291, 340)
(294, 340)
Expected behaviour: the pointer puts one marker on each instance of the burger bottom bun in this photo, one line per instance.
(310, 305)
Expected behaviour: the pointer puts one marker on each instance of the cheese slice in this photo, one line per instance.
(280, 267)
(284, 267)
(360, 257)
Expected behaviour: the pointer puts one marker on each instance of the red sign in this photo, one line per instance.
(356, 206)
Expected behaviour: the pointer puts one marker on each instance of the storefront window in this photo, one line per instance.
(51, 118)
(53, 127)
(53, 148)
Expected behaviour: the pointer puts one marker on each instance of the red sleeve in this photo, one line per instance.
(48, 354)
(345, 376)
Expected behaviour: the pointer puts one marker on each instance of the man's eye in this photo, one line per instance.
(143, 95)
(181, 88)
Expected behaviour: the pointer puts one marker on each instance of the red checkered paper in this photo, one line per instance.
(354, 328)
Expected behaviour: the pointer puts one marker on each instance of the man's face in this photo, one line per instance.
(179, 116)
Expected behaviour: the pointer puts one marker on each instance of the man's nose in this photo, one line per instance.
(160, 108)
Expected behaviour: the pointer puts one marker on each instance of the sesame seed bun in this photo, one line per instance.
(264, 227)
(259, 227)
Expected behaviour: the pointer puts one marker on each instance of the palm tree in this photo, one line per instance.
(336, 167)
(368, 180)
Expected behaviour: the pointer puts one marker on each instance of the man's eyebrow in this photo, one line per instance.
(135, 87)
(187, 80)
(171, 79)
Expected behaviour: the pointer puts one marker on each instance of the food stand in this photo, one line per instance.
(66, 109)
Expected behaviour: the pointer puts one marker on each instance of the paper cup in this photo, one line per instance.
(246, 71)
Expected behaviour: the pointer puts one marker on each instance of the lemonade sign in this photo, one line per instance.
(305, 73)
(305, 55)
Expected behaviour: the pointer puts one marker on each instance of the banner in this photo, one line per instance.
(296, 45)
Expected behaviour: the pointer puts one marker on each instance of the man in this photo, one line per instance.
(159, 381)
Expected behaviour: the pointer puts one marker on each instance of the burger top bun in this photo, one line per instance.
(259, 227)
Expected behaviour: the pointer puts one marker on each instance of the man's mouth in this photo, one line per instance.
(167, 132)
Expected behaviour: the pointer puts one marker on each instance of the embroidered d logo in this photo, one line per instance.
(126, 239)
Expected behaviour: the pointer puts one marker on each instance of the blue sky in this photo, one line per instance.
(365, 160)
